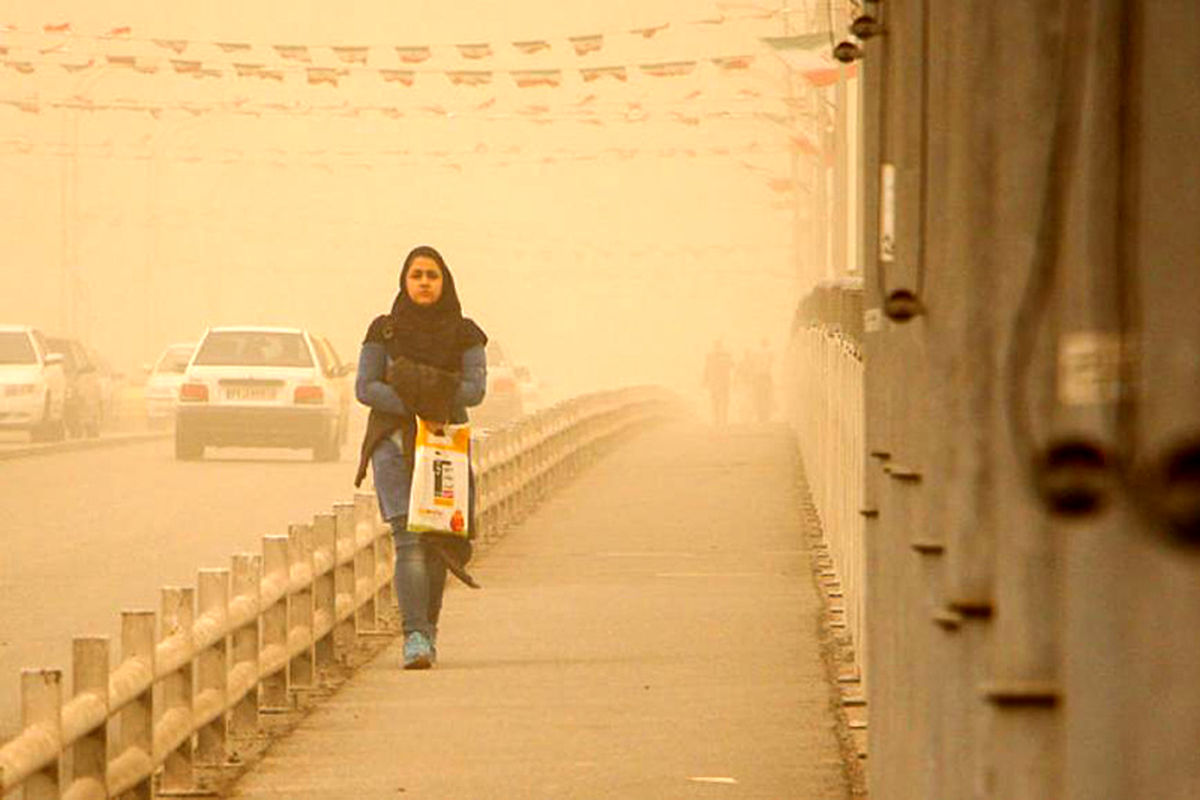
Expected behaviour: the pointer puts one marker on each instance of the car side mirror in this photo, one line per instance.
(54, 358)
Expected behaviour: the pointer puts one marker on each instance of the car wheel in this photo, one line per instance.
(187, 446)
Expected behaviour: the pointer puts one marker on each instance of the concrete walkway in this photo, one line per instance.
(649, 632)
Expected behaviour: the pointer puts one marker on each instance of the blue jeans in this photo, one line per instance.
(420, 580)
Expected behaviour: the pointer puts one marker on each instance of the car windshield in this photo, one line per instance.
(254, 349)
(15, 348)
(174, 361)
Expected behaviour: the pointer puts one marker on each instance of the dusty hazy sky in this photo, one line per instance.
(598, 253)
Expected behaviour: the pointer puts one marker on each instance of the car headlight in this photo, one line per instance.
(20, 389)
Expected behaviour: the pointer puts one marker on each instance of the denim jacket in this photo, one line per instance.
(390, 465)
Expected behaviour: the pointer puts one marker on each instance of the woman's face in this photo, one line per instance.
(423, 281)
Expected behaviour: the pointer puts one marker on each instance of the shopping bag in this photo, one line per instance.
(439, 501)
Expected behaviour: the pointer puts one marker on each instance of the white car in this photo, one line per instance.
(33, 386)
(162, 382)
(261, 387)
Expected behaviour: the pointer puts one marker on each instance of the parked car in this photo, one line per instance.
(251, 386)
(502, 404)
(111, 383)
(336, 370)
(162, 383)
(33, 386)
(85, 403)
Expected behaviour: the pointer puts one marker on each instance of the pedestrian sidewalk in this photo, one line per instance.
(651, 631)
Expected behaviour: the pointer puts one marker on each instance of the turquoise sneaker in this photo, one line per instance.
(418, 653)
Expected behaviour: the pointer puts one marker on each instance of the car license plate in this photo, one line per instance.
(250, 393)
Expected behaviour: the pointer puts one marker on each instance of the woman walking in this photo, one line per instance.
(422, 359)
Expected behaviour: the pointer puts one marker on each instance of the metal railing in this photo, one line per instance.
(245, 640)
(829, 425)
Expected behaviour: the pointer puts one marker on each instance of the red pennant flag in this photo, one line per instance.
(402, 76)
(596, 73)
(649, 33)
(669, 68)
(233, 47)
(324, 75)
(124, 30)
(532, 46)
(533, 110)
(295, 52)
(802, 144)
(591, 98)
(413, 55)
(731, 63)
(351, 55)
(586, 44)
(527, 79)
(177, 45)
(469, 77)
(436, 111)
(475, 51)
(696, 95)
(828, 77)
(486, 104)
(63, 27)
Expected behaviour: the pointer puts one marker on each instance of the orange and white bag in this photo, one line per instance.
(439, 499)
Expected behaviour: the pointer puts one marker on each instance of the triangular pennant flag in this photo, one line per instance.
(186, 67)
(596, 73)
(731, 63)
(326, 75)
(802, 41)
(393, 113)
(62, 27)
(23, 67)
(295, 52)
(685, 119)
(649, 33)
(145, 67)
(402, 76)
(669, 68)
(233, 47)
(209, 72)
(177, 45)
(531, 47)
(717, 20)
(533, 110)
(77, 67)
(586, 44)
(121, 61)
(124, 30)
(828, 76)
(272, 75)
(469, 77)
(248, 70)
(475, 51)
(413, 55)
(530, 78)
(351, 55)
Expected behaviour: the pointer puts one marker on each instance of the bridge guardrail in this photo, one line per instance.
(247, 638)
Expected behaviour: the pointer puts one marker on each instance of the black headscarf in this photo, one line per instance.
(435, 335)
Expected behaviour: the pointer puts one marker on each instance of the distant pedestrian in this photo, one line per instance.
(718, 374)
(423, 358)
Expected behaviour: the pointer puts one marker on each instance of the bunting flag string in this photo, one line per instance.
(359, 53)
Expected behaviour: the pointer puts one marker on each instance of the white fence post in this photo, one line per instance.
(301, 666)
(178, 617)
(345, 578)
(137, 717)
(324, 529)
(89, 678)
(366, 560)
(245, 645)
(212, 666)
(41, 707)
(274, 683)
